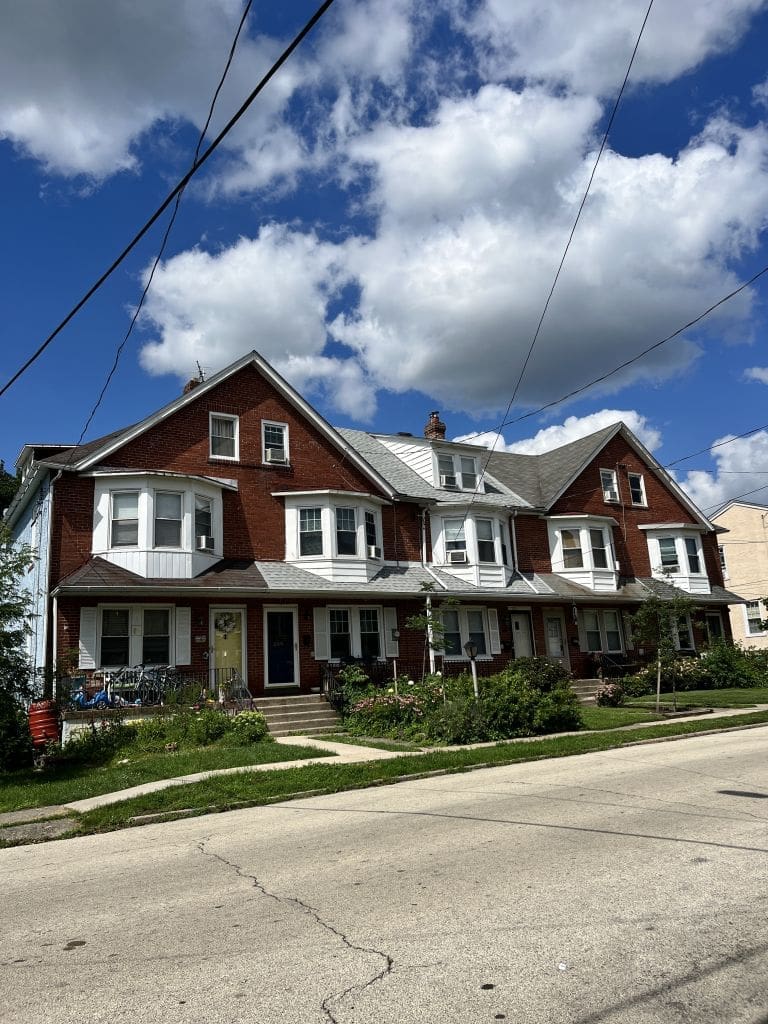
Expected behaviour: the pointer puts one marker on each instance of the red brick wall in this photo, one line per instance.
(72, 534)
(532, 543)
(254, 520)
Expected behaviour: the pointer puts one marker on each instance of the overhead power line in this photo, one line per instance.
(298, 39)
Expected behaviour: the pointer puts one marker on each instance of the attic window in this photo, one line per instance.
(225, 436)
(609, 485)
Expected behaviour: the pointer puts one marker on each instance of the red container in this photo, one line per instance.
(43, 722)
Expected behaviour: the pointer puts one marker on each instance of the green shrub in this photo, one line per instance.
(726, 664)
(637, 686)
(539, 673)
(384, 714)
(558, 711)
(95, 745)
(15, 740)
(249, 727)
(610, 695)
(457, 721)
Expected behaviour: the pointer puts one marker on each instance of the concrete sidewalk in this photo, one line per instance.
(47, 822)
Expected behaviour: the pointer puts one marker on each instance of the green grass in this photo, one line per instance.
(64, 784)
(613, 718)
(733, 697)
(226, 792)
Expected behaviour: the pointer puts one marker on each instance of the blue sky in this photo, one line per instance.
(385, 223)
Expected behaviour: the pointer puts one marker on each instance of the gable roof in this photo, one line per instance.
(87, 455)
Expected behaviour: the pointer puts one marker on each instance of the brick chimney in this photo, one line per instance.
(190, 385)
(435, 428)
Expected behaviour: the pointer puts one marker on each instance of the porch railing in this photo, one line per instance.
(155, 685)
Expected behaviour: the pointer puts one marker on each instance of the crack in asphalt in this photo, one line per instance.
(312, 912)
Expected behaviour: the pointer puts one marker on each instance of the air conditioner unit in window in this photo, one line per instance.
(373, 551)
(457, 557)
(204, 543)
(449, 482)
(276, 455)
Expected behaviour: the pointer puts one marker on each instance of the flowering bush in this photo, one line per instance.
(249, 727)
(610, 695)
(382, 713)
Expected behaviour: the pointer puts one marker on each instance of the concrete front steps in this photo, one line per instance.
(586, 689)
(306, 712)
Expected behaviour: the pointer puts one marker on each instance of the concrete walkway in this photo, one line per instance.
(48, 822)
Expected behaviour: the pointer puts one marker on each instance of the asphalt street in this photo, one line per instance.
(625, 886)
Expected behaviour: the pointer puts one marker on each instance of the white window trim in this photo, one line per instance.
(581, 525)
(110, 527)
(683, 563)
(676, 633)
(603, 630)
(335, 526)
(135, 630)
(286, 448)
(353, 611)
(183, 544)
(223, 416)
(615, 482)
(500, 538)
(464, 633)
(456, 458)
(328, 506)
(643, 503)
(763, 617)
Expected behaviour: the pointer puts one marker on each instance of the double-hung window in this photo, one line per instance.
(339, 633)
(168, 519)
(274, 443)
(156, 640)
(224, 436)
(486, 548)
(445, 468)
(115, 637)
(602, 630)
(457, 472)
(668, 554)
(754, 613)
(692, 553)
(346, 531)
(461, 626)
(455, 540)
(599, 548)
(372, 535)
(354, 632)
(468, 473)
(203, 523)
(572, 555)
(609, 484)
(125, 519)
(370, 636)
(310, 531)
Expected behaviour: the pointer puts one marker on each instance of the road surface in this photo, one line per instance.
(625, 886)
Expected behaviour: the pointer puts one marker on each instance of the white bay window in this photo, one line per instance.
(676, 555)
(581, 549)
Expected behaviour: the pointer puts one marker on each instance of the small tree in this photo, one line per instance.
(16, 682)
(656, 623)
(430, 621)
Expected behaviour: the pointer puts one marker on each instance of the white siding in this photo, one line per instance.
(417, 456)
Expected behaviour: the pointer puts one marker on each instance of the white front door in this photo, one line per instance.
(522, 642)
(554, 631)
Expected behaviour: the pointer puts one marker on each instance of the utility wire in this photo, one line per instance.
(169, 228)
(176, 191)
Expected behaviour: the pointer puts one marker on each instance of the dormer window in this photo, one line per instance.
(609, 485)
(457, 472)
(274, 438)
(224, 436)
(125, 519)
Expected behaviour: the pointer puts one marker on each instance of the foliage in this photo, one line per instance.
(15, 740)
(9, 485)
(95, 745)
(16, 680)
(610, 695)
(249, 727)
(639, 685)
(724, 665)
(527, 698)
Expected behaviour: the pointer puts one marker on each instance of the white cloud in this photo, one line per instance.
(269, 293)
(758, 373)
(587, 45)
(571, 429)
(474, 212)
(741, 469)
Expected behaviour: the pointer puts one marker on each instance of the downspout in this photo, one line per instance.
(428, 602)
(513, 533)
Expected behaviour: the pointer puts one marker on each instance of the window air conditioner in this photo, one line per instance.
(449, 482)
(373, 551)
(276, 455)
(204, 543)
(457, 557)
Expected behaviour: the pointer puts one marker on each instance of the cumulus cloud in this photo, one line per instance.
(571, 429)
(758, 373)
(268, 293)
(474, 210)
(586, 45)
(741, 469)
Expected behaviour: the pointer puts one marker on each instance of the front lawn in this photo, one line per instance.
(732, 697)
(613, 718)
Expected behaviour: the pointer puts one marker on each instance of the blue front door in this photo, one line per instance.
(281, 669)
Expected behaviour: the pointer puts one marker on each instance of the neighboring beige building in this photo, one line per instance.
(744, 558)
